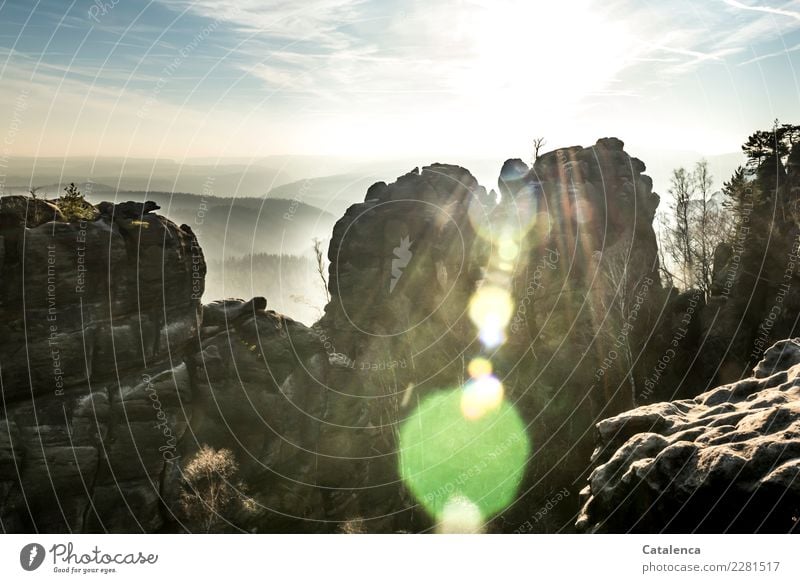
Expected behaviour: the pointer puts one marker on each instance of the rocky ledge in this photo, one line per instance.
(726, 461)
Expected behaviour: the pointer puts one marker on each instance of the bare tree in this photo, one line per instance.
(664, 241)
(704, 244)
(538, 144)
(700, 222)
(212, 491)
(619, 306)
(714, 226)
(320, 257)
(682, 189)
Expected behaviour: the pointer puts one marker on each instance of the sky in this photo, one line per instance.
(387, 78)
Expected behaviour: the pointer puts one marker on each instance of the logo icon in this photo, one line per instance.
(31, 556)
(401, 259)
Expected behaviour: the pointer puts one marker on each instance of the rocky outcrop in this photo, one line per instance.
(587, 296)
(114, 375)
(403, 267)
(90, 309)
(726, 461)
(406, 263)
(264, 388)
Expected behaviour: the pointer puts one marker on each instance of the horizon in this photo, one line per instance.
(299, 168)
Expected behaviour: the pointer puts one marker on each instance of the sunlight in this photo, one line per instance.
(490, 310)
(479, 367)
(574, 48)
(460, 516)
(481, 396)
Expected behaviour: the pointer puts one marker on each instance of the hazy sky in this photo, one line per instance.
(182, 78)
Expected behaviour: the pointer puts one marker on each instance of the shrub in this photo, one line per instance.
(212, 493)
(74, 206)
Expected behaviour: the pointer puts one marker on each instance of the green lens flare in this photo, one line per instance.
(445, 456)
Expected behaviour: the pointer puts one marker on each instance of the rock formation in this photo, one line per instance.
(587, 292)
(114, 375)
(89, 310)
(311, 415)
(726, 461)
(404, 265)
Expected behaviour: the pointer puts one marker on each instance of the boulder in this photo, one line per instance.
(726, 461)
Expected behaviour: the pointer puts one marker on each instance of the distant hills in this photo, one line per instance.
(222, 179)
(233, 227)
(227, 227)
(329, 193)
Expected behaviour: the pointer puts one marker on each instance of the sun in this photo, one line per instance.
(546, 54)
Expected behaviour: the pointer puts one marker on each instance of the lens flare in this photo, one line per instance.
(481, 396)
(508, 249)
(480, 216)
(490, 310)
(523, 211)
(581, 207)
(460, 516)
(493, 336)
(479, 367)
(443, 455)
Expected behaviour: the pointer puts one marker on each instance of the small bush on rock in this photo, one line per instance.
(73, 205)
(212, 493)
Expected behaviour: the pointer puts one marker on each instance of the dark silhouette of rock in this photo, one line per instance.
(726, 461)
(113, 374)
(221, 312)
(415, 236)
(587, 241)
(127, 210)
(512, 177)
(91, 312)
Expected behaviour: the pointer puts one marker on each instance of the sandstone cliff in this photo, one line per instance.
(114, 375)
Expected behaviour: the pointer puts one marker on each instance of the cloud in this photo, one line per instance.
(280, 78)
(771, 55)
(765, 9)
(341, 45)
(316, 21)
(464, 72)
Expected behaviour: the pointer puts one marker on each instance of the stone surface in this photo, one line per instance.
(582, 218)
(726, 461)
(95, 319)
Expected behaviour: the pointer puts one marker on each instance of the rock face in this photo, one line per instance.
(403, 265)
(407, 262)
(114, 375)
(586, 297)
(89, 309)
(726, 461)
